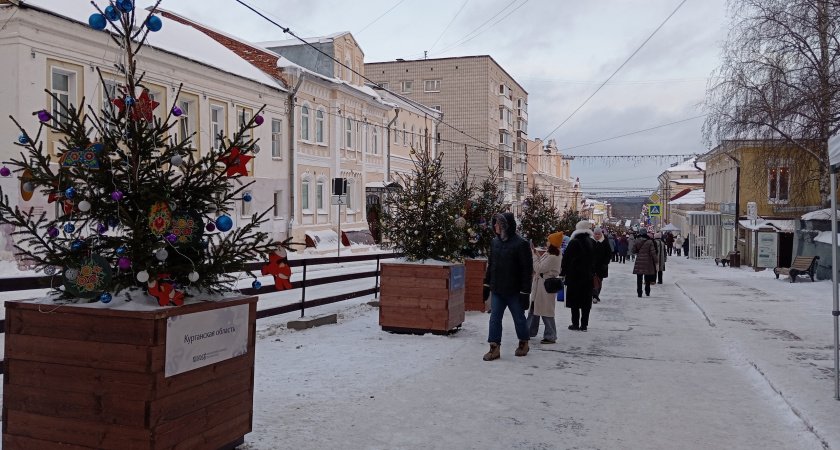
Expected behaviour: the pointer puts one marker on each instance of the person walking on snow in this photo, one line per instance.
(622, 249)
(507, 283)
(669, 242)
(578, 266)
(602, 263)
(662, 256)
(646, 259)
(678, 244)
(611, 242)
(542, 303)
(630, 241)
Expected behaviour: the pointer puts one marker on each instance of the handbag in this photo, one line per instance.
(553, 285)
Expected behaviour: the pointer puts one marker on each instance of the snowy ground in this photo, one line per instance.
(714, 358)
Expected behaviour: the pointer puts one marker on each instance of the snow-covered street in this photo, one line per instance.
(714, 358)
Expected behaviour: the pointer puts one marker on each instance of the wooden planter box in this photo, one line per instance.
(419, 298)
(89, 378)
(473, 296)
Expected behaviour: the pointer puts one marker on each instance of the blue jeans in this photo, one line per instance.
(498, 303)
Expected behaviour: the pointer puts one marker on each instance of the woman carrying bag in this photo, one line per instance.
(542, 302)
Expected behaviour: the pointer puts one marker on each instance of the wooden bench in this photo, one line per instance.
(802, 265)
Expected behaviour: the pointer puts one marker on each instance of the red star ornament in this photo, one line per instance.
(143, 107)
(235, 162)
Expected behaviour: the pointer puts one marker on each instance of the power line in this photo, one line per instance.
(375, 20)
(482, 31)
(632, 133)
(485, 23)
(450, 24)
(662, 81)
(619, 68)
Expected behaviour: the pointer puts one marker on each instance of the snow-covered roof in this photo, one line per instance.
(781, 225)
(822, 214)
(825, 238)
(289, 66)
(174, 37)
(696, 197)
(688, 181)
(295, 41)
(687, 165)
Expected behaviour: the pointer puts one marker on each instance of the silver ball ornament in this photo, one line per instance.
(142, 276)
(193, 276)
(162, 254)
(176, 160)
(84, 206)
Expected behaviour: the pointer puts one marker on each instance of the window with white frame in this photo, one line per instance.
(405, 87)
(431, 86)
(246, 206)
(522, 106)
(217, 124)
(351, 194)
(348, 133)
(64, 89)
(361, 136)
(244, 117)
(437, 107)
(304, 123)
(319, 194)
(375, 139)
(305, 186)
(412, 136)
(276, 138)
(404, 134)
(358, 75)
(396, 134)
(504, 138)
(278, 204)
(319, 126)
(109, 92)
(186, 122)
(347, 63)
(778, 181)
(385, 85)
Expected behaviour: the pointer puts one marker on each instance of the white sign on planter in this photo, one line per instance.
(768, 249)
(204, 338)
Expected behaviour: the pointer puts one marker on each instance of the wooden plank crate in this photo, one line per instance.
(90, 378)
(417, 298)
(473, 296)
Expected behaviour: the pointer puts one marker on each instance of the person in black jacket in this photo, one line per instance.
(603, 255)
(578, 268)
(508, 283)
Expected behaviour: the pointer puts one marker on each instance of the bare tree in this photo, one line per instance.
(778, 81)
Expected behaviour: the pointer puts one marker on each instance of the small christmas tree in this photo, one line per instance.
(539, 217)
(420, 219)
(462, 193)
(568, 222)
(138, 207)
(487, 200)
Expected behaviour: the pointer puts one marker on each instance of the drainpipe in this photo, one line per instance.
(388, 156)
(293, 149)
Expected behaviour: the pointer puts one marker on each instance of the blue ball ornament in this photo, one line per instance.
(113, 223)
(70, 192)
(105, 298)
(125, 5)
(129, 102)
(224, 223)
(154, 23)
(69, 228)
(97, 21)
(122, 250)
(77, 245)
(112, 14)
(256, 284)
(247, 197)
(22, 139)
(204, 244)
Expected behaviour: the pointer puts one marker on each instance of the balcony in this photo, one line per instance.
(506, 102)
(503, 125)
(522, 114)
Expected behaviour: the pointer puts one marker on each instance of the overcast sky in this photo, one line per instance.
(558, 50)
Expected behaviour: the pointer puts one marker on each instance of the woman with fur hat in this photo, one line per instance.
(546, 266)
(508, 279)
(578, 266)
(646, 259)
(603, 254)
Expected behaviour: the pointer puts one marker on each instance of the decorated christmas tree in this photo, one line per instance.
(487, 200)
(462, 193)
(568, 221)
(423, 219)
(140, 207)
(539, 217)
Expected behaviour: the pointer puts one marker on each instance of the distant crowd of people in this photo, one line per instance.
(517, 272)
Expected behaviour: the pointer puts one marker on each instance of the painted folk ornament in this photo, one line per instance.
(160, 218)
(165, 292)
(86, 157)
(88, 277)
(187, 227)
(279, 268)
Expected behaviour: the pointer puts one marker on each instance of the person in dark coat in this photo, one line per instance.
(602, 263)
(662, 255)
(578, 268)
(623, 249)
(508, 283)
(669, 242)
(646, 259)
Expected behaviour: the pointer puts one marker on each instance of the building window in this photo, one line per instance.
(348, 71)
(348, 133)
(396, 134)
(412, 136)
(405, 87)
(64, 88)
(319, 126)
(319, 195)
(304, 123)
(404, 134)
(246, 206)
(217, 125)
(109, 92)
(358, 75)
(431, 86)
(375, 140)
(304, 195)
(351, 185)
(779, 184)
(522, 106)
(385, 85)
(276, 136)
(186, 121)
(244, 117)
(437, 107)
(278, 204)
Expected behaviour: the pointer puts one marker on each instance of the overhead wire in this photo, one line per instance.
(450, 24)
(451, 47)
(377, 19)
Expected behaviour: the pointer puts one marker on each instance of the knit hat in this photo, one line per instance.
(582, 225)
(598, 230)
(556, 239)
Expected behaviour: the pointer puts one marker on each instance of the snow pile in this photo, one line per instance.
(323, 238)
(695, 197)
(822, 214)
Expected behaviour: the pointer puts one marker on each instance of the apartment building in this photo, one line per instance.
(485, 115)
(46, 44)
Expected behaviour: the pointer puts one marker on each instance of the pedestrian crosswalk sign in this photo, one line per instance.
(655, 210)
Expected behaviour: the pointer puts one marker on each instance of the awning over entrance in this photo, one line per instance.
(703, 218)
